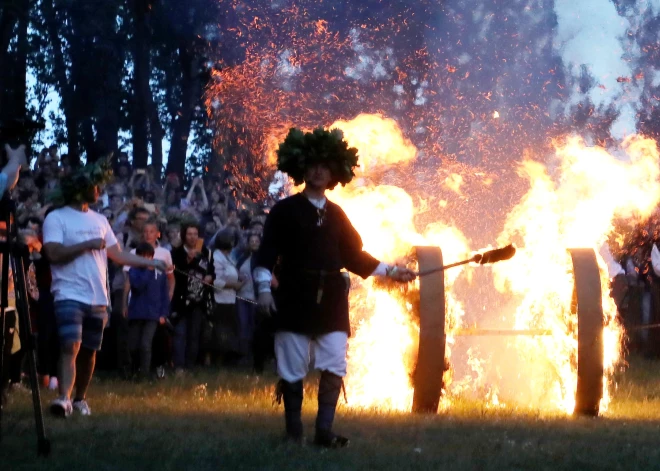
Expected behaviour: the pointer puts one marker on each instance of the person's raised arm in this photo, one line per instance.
(15, 160)
(192, 190)
(131, 185)
(205, 200)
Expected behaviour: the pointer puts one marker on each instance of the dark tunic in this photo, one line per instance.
(310, 259)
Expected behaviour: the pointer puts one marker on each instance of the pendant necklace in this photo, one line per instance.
(321, 216)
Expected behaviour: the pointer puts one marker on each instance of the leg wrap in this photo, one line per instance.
(292, 394)
(329, 389)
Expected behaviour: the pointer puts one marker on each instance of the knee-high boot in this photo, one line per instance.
(329, 389)
(292, 394)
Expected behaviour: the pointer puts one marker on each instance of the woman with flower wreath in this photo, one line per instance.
(314, 241)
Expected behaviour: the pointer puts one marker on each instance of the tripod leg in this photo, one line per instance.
(23, 311)
(3, 366)
(3, 332)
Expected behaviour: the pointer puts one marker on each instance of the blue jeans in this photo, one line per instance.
(187, 334)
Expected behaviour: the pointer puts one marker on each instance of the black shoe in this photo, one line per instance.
(327, 439)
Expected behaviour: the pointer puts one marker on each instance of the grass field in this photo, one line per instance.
(227, 420)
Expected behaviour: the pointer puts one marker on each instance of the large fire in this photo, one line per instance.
(570, 203)
(573, 206)
(471, 106)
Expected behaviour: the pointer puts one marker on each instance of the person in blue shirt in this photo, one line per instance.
(149, 306)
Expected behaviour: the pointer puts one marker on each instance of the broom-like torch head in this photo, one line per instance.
(496, 255)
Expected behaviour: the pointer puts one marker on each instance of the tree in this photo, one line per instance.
(184, 34)
(141, 74)
(85, 60)
(14, 18)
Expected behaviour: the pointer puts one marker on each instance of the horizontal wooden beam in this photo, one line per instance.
(498, 332)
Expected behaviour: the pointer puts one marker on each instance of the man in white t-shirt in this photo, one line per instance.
(78, 243)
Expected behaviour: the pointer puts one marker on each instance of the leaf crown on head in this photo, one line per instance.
(79, 186)
(302, 149)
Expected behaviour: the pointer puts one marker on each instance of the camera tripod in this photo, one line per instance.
(13, 252)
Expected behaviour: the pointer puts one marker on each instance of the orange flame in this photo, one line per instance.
(574, 207)
(379, 141)
(383, 348)
(571, 206)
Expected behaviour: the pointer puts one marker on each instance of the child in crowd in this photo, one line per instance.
(149, 305)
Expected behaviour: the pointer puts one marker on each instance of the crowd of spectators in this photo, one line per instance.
(635, 282)
(202, 313)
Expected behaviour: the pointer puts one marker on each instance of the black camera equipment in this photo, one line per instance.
(14, 133)
(14, 252)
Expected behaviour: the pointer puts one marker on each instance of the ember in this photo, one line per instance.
(437, 169)
(573, 207)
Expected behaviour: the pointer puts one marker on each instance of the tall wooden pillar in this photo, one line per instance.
(431, 356)
(589, 307)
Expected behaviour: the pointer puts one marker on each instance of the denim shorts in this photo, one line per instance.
(79, 322)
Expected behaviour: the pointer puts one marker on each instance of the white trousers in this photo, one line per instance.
(294, 353)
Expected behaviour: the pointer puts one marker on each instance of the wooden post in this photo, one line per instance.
(589, 305)
(430, 367)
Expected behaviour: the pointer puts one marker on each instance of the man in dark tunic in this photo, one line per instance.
(312, 241)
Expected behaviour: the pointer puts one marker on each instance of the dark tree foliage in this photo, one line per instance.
(121, 68)
(132, 74)
(14, 18)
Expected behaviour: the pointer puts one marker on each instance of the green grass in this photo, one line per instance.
(227, 420)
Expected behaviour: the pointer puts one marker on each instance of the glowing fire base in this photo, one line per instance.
(586, 304)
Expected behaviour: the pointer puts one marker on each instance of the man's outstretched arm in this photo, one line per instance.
(120, 257)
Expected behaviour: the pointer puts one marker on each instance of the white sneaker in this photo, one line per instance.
(53, 384)
(82, 407)
(160, 372)
(61, 407)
